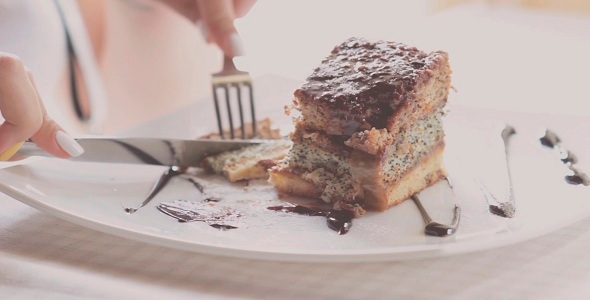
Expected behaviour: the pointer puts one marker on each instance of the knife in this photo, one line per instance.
(151, 151)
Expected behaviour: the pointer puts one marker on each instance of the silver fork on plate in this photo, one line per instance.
(227, 80)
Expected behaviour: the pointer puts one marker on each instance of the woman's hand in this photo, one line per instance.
(25, 116)
(217, 20)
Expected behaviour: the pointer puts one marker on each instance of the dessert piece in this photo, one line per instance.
(264, 130)
(248, 163)
(370, 129)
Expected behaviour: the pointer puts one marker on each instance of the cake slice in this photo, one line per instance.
(251, 162)
(370, 129)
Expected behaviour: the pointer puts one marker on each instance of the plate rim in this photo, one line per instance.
(397, 253)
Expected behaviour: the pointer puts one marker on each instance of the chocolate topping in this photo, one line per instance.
(368, 80)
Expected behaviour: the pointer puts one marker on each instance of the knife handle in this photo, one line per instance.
(6, 155)
(29, 149)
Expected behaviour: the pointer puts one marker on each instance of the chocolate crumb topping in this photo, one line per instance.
(368, 80)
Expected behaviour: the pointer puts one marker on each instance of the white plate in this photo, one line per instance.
(92, 195)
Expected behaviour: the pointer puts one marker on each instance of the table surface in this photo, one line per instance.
(43, 256)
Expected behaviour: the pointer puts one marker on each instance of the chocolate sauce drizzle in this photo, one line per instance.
(577, 177)
(222, 227)
(212, 199)
(435, 228)
(337, 220)
(182, 215)
(504, 207)
(172, 171)
(199, 187)
(160, 184)
(449, 181)
(142, 155)
(199, 213)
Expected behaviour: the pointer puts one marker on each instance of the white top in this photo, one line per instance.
(33, 30)
(153, 60)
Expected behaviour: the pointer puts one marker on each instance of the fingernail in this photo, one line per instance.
(236, 45)
(68, 144)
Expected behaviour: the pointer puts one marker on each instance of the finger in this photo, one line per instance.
(18, 103)
(51, 137)
(242, 7)
(218, 17)
(186, 8)
(56, 141)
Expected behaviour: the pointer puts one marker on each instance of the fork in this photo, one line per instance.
(230, 77)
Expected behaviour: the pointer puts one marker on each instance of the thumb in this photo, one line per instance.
(24, 114)
(218, 17)
(51, 137)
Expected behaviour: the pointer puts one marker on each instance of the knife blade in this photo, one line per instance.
(151, 151)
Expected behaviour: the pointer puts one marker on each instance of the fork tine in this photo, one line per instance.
(240, 109)
(251, 90)
(217, 112)
(229, 113)
(228, 79)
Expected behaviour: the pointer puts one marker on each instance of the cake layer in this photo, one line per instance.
(313, 149)
(319, 183)
(364, 85)
(321, 160)
(364, 186)
(376, 141)
(328, 169)
(379, 195)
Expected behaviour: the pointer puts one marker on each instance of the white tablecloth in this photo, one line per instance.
(44, 257)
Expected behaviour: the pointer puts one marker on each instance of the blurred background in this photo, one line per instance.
(529, 55)
(291, 36)
(523, 55)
